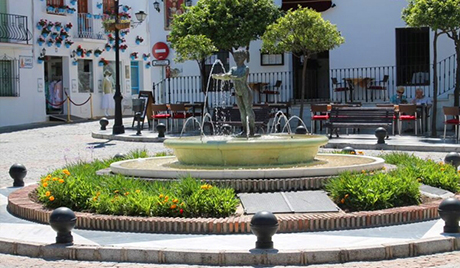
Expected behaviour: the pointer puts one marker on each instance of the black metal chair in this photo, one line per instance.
(340, 87)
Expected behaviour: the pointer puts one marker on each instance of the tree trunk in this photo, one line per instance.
(435, 84)
(304, 86)
(457, 72)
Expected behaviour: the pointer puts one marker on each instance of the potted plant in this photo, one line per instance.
(97, 16)
(97, 52)
(103, 62)
(54, 35)
(139, 40)
(107, 47)
(99, 5)
(124, 32)
(50, 25)
(45, 32)
(89, 15)
(68, 26)
(126, 8)
(50, 42)
(88, 52)
(110, 24)
(80, 51)
(58, 26)
(62, 9)
(41, 24)
(111, 38)
(74, 62)
(133, 55)
(40, 59)
(147, 65)
(146, 56)
(40, 40)
(58, 41)
(68, 43)
(63, 34)
(73, 2)
(50, 9)
(123, 47)
(71, 10)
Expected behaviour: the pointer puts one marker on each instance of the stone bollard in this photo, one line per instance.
(264, 225)
(449, 211)
(119, 156)
(348, 150)
(103, 122)
(453, 159)
(161, 128)
(300, 130)
(18, 172)
(63, 220)
(380, 133)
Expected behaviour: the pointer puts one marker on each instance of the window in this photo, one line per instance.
(9, 78)
(413, 56)
(271, 59)
(108, 6)
(85, 76)
(135, 77)
(56, 3)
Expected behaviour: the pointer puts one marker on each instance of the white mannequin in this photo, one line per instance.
(107, 98)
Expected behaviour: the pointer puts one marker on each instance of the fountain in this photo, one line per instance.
(247, 155)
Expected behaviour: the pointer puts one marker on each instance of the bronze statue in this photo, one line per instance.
(243, 93)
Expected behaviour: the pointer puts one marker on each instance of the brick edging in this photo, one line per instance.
(20, 205)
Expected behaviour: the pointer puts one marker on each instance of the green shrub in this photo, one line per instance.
(355, 192)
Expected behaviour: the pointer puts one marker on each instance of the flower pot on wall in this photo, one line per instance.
(58, 44)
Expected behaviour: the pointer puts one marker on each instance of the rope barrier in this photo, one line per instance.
(56, 104)
(76, 103)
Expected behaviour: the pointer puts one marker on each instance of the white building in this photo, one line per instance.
(377, 43)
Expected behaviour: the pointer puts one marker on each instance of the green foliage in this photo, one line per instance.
(78, 188)
(229, 24)
(192, 47)
(355, 192)
(438, 15)
(426, 171)
(302, 32)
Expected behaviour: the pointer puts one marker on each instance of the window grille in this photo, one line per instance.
(56, 3)
(9, 77)
(108, 6)
(85, 76)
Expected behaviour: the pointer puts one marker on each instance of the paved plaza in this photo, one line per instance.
(48, 147)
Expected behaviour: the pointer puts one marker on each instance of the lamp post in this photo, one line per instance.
(118, 127)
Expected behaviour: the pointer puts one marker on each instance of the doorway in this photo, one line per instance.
(54, 91)
(317, 78)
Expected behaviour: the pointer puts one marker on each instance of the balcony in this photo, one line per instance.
(89, 27)
(14, 29)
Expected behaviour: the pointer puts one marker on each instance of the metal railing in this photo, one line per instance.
(14, 29)
(188, 89)
(89, 27)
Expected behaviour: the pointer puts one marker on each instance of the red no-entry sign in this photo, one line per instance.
(160, 51)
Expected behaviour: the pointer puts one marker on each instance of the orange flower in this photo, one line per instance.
(360, 152)
(175, 200)
(95, 198)
(48, 177)
(55, 179)
(174, 206)
(45, 184)
(66, 171)
(51, 198)
(346, 196)
(342, 201)
(161, 196)
(127, 193)
(48, 193)
(363, 171)
(61, 180)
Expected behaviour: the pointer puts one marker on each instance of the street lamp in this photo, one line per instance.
(118, 127)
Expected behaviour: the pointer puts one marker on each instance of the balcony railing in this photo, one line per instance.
(188, 89)
(14, 29)
(89, 27)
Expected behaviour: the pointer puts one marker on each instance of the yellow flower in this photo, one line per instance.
(55, 179)
(352, 152)
(51, 198)
(95, 198)
(66, 171)
(161, 196)
(174, 206)
(138, 191)
(127, 193)
(360, 152)
(48, 193)
(45, 184)
(342, 201)
(346, 196)
(442, 169)
(48, 177)
(383, 168)
(363, 171)
(419, 179)
(116, 191)
(175, 200)
(61, 180)
(98, 193)
(166, 198)
(204, 187)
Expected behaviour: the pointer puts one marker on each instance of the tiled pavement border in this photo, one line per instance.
(21, 205)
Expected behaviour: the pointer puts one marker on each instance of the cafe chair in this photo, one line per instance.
(408, 112)
(379, 86)
(319, 112)
(340, 87)
(160, 112)
(178, 112)
(451, 117)
(275, 91)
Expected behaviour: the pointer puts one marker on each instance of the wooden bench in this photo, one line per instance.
(360, 117)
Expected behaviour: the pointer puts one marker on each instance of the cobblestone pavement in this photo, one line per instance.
(42, 150)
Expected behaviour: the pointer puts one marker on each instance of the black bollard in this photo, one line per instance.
(380, 133)
(138, 118)
(63, 220)
(300, 130)
(103, 122)
(226, 129)
(453, 159)
(264, 225)
(161, 128)
(449, 211)
(18, 172)
(119, 156)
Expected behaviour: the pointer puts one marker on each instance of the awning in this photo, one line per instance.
(318, 5)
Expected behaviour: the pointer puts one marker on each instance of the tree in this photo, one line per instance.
(443, 17)
(229, 24)
(304, 33)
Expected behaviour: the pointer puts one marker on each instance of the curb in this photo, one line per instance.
(223, 258)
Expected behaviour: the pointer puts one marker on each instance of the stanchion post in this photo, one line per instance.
(91, 104)
(68, 110)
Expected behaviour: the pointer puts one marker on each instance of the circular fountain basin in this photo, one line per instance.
(279, 149)
(322, 165)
